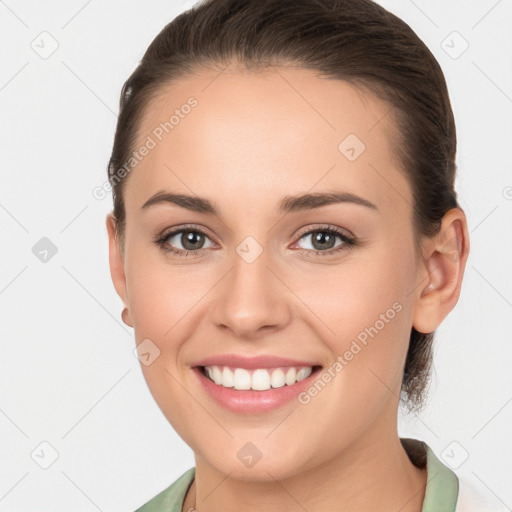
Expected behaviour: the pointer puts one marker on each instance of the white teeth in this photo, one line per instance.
(260, 379)
(241, 379)
(217, 377)
(228, 379)
(277, 378)
(303, 373)
(290, 377)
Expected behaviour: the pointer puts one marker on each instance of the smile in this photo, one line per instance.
(254, 391)
(260, 379)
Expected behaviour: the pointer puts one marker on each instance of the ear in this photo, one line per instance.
(117, 265)
(441, 272)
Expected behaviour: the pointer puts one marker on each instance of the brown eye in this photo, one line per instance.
(191, 240)
(323, 241)
(184, 241)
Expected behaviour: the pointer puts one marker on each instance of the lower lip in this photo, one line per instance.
(250, 401)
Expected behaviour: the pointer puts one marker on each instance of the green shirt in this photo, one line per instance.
(440, 494)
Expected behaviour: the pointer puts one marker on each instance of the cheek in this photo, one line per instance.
(363, 310)
(368, 331)
(162, 295)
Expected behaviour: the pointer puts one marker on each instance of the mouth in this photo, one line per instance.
(255, 384)
(257, 379)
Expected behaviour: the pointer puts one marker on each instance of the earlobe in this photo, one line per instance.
(116, 264)
(125, 315)
(442, 272)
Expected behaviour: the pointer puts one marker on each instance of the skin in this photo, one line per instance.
(253, 139)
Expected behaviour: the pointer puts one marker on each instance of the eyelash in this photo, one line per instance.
(348, 242)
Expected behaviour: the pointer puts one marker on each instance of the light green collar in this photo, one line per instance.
(442, 486)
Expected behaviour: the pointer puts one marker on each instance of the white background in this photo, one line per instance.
(68, 374)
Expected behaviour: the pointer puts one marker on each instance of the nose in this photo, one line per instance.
(252, 300)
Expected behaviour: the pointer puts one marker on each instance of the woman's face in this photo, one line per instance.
(267, 274)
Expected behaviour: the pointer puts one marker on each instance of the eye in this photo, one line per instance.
(190, 241)
(184, 241)
(323, 240)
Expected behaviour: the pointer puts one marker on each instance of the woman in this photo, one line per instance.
(286, 238)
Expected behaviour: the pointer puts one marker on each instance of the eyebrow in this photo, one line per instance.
(288, 204)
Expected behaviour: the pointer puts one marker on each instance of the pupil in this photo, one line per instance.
(190, 238)
(324, 239)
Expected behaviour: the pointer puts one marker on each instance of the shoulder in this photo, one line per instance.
(475, 497)
(171, 498)
(447, 490)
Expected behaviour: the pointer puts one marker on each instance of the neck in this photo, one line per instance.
(372, 473)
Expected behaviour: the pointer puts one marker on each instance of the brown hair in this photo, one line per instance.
(353, 40)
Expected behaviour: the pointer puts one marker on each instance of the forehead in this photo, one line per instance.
(258, 135)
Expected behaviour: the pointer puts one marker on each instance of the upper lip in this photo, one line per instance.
(262, 361)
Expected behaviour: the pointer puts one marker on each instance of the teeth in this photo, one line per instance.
(290, 376)
(259, 380)
(241, 379)
(277, 379)
(228, 379)
(303, 373)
